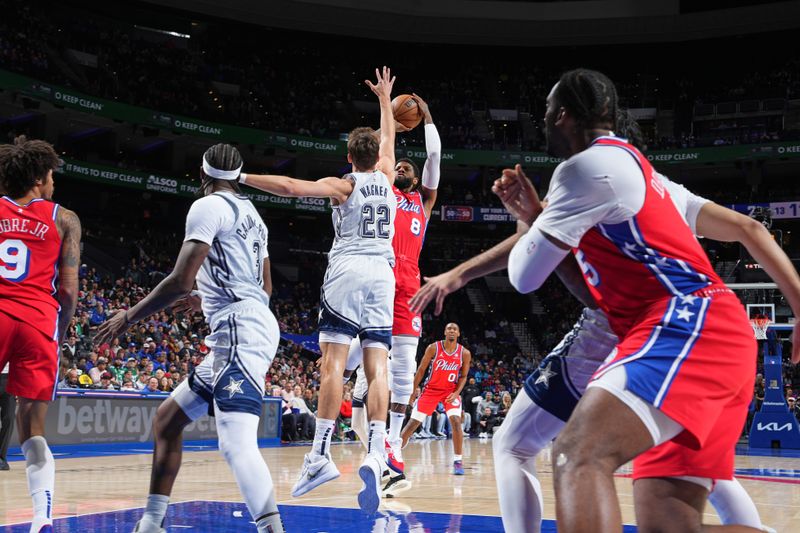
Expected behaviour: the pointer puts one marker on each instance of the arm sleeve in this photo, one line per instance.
(687, 203)
(207, 218)
(433, 146)
(532, 260)
(265, 255)
(596, 186)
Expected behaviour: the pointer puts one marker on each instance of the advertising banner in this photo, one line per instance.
(85, 417)
(334, 147)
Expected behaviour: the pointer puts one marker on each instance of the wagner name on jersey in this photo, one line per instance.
(364, 223)
(234, 269)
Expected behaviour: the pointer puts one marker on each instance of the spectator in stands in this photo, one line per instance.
(143, 380)
(311, 401)
(794, 409)
(306, 422)
(470, 392)
(152, 386)
(98, 316)
(345, 414)
(97, 372)
(70, 380)
(487, 423)
(105, 382)
(128, 386)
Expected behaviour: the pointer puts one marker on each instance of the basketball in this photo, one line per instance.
(406, 111)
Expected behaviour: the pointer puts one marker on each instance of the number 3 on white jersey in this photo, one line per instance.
(416, 226)
(591, 275)
(14, 260)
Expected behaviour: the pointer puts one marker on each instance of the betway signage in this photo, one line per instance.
(334, 147)
(168, 185)
(84, 418)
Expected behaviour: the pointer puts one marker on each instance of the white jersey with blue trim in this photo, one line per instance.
(234, 269)
(364, 223)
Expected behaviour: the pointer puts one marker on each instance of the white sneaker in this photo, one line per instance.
(317, 469)
(396, 486)
(369, 498)
(147, 527)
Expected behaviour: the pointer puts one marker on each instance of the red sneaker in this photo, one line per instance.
(394, 460)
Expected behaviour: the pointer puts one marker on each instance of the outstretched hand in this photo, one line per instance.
(423, 106)
(383, 87)
(436, 288)
(111, 328)
(518, 194)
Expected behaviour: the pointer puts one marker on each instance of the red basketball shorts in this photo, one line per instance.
(694, 358)
(429, 399)
(33, 360)
(407, 284)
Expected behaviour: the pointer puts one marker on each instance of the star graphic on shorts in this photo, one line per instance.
(661, 261)
(685, 314)
(688, 299)
(544, 375)
(234, 387)
(630, 247)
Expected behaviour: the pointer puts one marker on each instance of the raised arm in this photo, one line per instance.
(723, 224)
(69, 225)
(336, 188)
(383, 90)
(431, 170)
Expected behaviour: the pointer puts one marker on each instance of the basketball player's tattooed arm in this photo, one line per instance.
(466, 361)
(422, 369)
(179, 283)
(383, 90)
(433, 148)
(723, 224)
(69, 225)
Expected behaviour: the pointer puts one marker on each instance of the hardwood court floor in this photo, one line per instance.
(98, 484)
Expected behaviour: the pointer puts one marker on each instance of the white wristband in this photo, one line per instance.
(242, 178)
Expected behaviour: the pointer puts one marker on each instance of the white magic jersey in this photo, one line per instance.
(233, 271)
(364, 223)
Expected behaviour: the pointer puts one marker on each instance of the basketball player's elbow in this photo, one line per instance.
(521, 279)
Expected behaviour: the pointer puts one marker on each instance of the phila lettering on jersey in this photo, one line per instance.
(364, 223)
(234, 269)
(445, 368)
(409, 226)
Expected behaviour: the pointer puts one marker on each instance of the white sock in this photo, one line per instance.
(456, 457)
(156, 509)
(238, 442)
(359, 424)
(270, 523)
(377, 437)
(322, 436)
(395, 426)
(41, 473)
(733, 505)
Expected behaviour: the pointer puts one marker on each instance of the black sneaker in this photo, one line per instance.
(4, 465)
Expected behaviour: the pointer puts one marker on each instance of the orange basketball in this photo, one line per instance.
(406, 111)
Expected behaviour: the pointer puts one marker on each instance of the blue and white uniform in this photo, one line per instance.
(357, 295)
(244, 332)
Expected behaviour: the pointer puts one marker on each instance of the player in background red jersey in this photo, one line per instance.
(39, 261)
(449, 362)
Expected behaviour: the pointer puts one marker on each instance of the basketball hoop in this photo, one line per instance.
(760, 325)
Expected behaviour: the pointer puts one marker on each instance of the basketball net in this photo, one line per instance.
(760, 325)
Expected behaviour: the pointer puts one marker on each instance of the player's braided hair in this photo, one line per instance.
(222, 157)
(24, 162)
(628, 127)
(416, 172)
(590, 96)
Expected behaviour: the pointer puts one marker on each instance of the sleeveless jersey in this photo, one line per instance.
(645, 259)
(409, 226)
(234, 268)
(445, 368)
(30, 248)
(364, 223)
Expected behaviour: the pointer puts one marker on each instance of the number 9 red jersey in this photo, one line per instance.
(30, 248)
